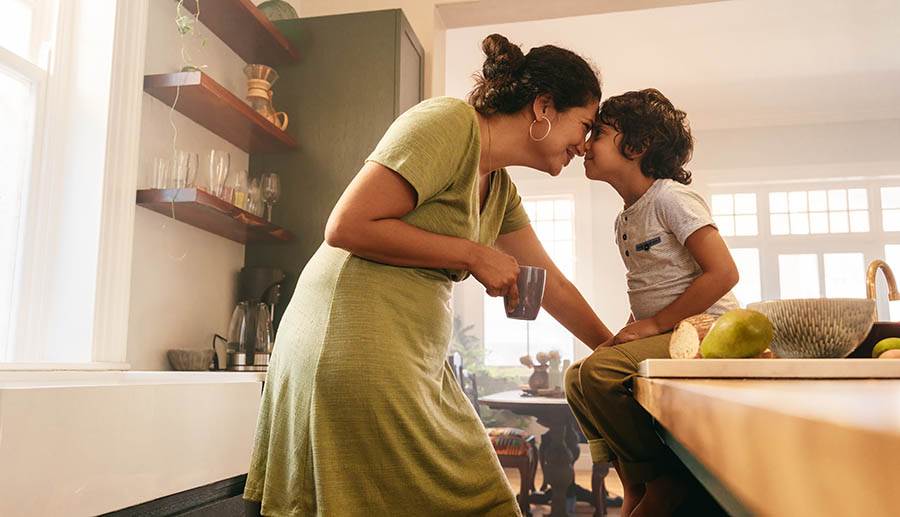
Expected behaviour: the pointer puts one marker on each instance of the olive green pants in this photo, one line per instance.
(598, 389)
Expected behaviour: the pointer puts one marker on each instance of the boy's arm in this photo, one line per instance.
(561, 298)
(718, 277)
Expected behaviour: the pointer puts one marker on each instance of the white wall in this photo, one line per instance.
(183, 284)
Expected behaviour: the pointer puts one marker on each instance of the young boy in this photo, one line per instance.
(678, 266)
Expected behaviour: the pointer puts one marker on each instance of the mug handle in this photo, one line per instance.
(283, 125)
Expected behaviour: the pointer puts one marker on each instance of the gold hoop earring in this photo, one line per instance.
(531, 129)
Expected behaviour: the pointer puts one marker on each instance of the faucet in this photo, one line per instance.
(873, 268)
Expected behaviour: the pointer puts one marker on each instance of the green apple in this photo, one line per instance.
(888, 343)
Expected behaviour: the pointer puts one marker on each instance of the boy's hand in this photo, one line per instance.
(637, 330)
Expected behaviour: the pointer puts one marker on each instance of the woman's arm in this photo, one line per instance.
(366, 222)
(561, 298)
(718, 277)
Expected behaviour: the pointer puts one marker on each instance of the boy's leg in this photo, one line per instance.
(602, 398)
(600, 453)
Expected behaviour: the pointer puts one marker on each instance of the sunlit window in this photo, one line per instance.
(819, 212)
(507, 339)
(735, 214)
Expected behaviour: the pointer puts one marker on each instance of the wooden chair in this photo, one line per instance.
(515, 448)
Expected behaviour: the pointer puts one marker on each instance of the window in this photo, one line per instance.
(24, 43)
(506, 339)
(735, 214)
(749, 287)
(798, 276)
(890, 209)
(812, 242)
(819, 212)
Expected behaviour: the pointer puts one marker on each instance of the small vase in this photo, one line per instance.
(540, 378)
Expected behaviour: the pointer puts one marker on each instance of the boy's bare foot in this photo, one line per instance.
(661, 497)
(631, 498)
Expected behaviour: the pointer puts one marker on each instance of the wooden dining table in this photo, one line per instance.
(559, 445)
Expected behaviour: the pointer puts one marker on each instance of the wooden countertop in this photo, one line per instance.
(789, 447)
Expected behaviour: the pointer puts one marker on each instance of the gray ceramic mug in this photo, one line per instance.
(531, 282)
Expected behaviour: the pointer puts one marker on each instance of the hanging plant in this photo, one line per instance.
(186, 23)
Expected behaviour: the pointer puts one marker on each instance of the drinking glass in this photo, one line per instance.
(254, 198)
(219, 166)
(185, 168)
(241, 186)
(160, 173)
(271, 191)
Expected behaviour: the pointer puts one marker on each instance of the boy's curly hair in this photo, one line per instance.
(650, 123)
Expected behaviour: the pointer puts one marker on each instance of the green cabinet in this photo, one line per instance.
(356, 73)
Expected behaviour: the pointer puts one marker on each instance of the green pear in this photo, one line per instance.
(736, 334)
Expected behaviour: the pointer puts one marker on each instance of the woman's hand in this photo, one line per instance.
(637, 330)
(497, 272)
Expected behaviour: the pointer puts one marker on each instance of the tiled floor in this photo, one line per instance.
(583, 478)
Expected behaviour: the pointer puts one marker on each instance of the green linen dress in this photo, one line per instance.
(361, 414)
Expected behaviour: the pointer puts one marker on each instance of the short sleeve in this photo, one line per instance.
(683, 212)
(428, 144)
(514, 217)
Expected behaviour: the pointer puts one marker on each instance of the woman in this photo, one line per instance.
(361, 414)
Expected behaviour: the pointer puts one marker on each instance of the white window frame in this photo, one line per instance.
(871, 244)
(106, 158)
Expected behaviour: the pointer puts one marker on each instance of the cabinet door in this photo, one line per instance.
(411, 75)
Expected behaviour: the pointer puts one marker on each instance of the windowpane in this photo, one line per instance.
(818, 201)
(890, 197)
(562, 209)
(545, 210)
(544, 230)
(797, 201)
(845, 275)
(745, 203)
(16, 118)
(722, 204)
(799, 224)
(838, 221)
(798, 276)
(15, 27)
(749, 287)
(562, 230)
(531, 210)
(505, 339)
(778, 202)
(725, 224)
(818, 222)
(837, 199)
(779, 225)
(891, 220)
(859, 221)
(858, 199)
(745, 225)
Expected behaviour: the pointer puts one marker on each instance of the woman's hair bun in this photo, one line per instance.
(504, 60)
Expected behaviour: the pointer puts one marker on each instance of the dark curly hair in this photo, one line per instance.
(650, 123)
(510, 80)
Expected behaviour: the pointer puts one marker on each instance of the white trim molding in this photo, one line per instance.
(120, 183)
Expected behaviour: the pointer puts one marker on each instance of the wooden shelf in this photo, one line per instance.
(209, 104)
(246, 30)
(206, 211)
